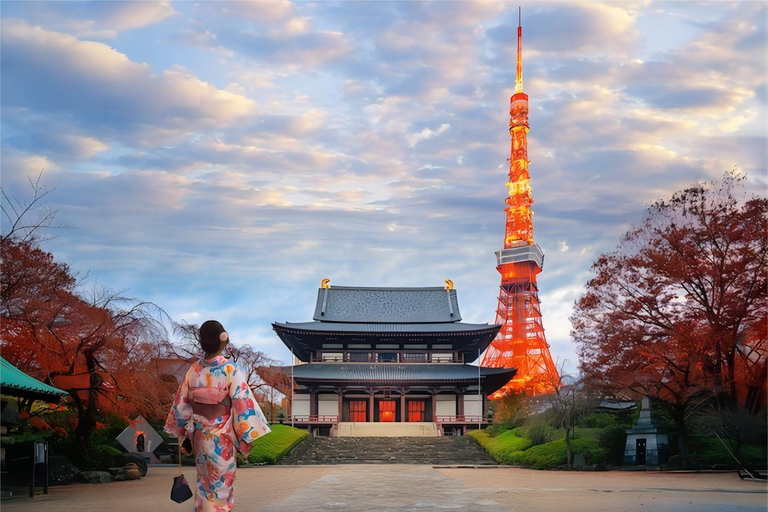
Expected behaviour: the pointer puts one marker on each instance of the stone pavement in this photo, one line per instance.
(400, 488)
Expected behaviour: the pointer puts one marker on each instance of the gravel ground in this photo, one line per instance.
(394, 488)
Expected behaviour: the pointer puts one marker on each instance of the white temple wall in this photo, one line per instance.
(445, 405)
(301, 405)
(473, 406)
(327, 405)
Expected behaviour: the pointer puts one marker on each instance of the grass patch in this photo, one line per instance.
(512, 447)
(553, 454)
(274, 446)
(502, 445)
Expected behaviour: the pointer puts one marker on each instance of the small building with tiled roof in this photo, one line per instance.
(389, 355)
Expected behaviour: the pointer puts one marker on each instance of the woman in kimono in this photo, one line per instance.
(215, 415)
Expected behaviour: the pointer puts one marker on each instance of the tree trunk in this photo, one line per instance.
(568, 452)
(678, 416)
(86, 420)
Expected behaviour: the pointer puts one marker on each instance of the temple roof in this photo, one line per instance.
(306, 337)
(368, 328)
(14, 382)
(394, 373)
(387, 305)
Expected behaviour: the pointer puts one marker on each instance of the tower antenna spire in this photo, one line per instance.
(519, 75)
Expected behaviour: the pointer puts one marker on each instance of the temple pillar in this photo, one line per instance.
(402, 405)
(370, 405)
(460, 409)
(434, 406)
(339, 415)
(313, 402)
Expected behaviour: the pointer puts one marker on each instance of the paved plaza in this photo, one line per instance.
(399, 488)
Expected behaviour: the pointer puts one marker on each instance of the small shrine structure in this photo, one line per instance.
(646, 445)
(389, 355)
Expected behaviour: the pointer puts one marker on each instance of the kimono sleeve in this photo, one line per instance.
(179, 422)
(248, 421)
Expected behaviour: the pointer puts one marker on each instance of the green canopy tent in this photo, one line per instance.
(15, 382)
(33, 455)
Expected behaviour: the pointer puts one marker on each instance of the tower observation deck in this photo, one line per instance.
(521, 342)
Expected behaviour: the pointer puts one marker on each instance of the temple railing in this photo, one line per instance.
(312, 418)
(463, 418)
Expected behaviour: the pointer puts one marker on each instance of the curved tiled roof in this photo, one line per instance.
(304, 338)
(17, 383)
(386, 305)
(359, 327)
(372, 373)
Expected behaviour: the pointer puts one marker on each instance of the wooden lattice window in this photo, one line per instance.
(387, 411)
(416, 410)
(358, 410)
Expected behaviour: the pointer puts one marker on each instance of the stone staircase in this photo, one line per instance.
(448, 450)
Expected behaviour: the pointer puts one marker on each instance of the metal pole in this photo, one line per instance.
(479, 392)
(573, 412)
(293, 363)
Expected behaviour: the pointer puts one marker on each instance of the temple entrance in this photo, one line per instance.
(417, 410)
(358, 410)
(640, 452)
(387, 411)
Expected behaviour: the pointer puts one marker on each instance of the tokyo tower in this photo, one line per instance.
(521, 342)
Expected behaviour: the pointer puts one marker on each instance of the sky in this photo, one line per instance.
(220, 159)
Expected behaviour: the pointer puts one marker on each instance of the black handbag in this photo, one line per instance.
(180, 491)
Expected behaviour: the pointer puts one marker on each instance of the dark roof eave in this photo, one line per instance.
(297, 329)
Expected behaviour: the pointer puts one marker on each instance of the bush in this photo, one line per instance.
(709, 451)
(539, 433)
(599, 420)
(501, 446)
(494, 430)
(553, 454)
(613, 440)
(275, 445)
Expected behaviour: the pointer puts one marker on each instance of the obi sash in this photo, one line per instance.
(210, 402)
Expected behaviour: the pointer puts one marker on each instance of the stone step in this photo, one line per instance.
(389, 450)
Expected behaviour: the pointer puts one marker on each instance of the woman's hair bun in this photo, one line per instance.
(211, 333)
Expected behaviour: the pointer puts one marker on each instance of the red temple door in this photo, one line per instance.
(387, 409)
(358, 410)
(416, 410)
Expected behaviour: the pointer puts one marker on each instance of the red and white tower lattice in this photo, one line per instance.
(521, 342)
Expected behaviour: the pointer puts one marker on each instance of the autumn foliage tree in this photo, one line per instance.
(91, 344)
(672, 311)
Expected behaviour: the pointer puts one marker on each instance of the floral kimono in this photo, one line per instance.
(217, 410)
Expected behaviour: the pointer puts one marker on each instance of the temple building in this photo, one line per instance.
(389, 355)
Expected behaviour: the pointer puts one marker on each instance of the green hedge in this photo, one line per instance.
(511, 447)
(502, 445)
(275, 445)
(710, 451)
(553, 454)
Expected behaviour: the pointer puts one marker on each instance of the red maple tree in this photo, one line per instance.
(97, 346)
(673, 309)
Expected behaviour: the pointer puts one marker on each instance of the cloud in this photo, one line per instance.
(289, 48)
(100, 88)
(425, 134)
(264, 12)
(94, 19)
(571, 29)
